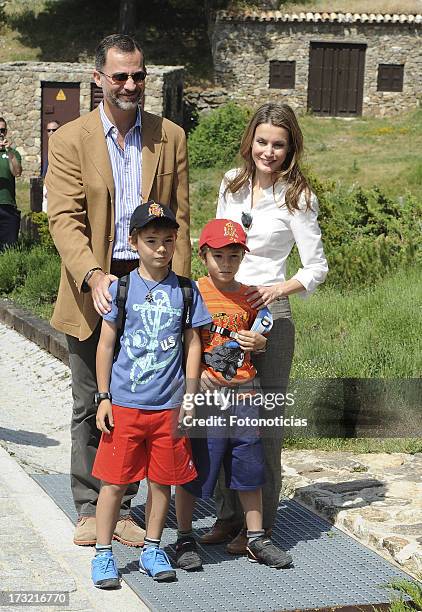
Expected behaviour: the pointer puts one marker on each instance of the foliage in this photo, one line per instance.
(412, 590)
(215, 140)
(198, 268)
(13, 269)
(30, 275)
(40, 221)
(367, 332)
(366, 233)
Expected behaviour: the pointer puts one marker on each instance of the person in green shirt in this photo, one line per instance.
(10, 168)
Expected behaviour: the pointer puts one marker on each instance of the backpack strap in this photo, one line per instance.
(187, 291)
(121, 297)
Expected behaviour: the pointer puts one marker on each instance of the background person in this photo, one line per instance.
(101, 166)
(10, 168)
(52, 126)
(271, 198)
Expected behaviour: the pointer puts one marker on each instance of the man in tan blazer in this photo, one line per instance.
(101, 166)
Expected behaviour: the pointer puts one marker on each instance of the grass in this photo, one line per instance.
(356, 445)
(367, 151)
(370, 333)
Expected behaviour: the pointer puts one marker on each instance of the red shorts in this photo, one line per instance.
(142, 445)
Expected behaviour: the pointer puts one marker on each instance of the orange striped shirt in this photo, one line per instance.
(229, 309)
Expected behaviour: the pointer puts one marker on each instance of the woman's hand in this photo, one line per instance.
(251, 341)
(261, 295)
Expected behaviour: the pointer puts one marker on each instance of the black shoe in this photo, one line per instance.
(262, 550)
(187, 556)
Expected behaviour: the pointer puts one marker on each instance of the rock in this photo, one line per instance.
(412, 530)
(394, 544)
(374, 515)
(355, 485)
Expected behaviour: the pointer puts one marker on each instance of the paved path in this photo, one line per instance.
(375, 498)
(36, 548)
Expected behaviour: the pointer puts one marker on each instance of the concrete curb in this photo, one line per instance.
(56, 532)
(35, 329)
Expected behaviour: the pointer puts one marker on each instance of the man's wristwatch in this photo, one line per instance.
(85, 286)
(99, 397)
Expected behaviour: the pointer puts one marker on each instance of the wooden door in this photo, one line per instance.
(59, 102)
(336, 72)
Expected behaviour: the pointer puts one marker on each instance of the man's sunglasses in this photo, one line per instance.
(122, 77)
(52, 129)
(3, 130)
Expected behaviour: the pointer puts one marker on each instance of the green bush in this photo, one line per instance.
(41, 287)
(13, 269)
(215, 140)
(41, 222)
(198, 268)
(366, 233)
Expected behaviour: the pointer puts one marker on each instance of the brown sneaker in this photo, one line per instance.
(238, 545)
(128, 532)
(85, 532)
(220, 532)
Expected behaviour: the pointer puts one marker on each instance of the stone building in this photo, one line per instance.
(334, 64)
(34, 93)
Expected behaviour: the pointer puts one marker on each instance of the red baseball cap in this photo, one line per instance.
(219, 233)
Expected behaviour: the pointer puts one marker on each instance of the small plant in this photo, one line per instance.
(412, 590)
(215, 141)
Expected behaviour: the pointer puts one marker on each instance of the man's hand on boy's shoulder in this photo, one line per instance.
(101, 296)
(251, 341)
(105, 417)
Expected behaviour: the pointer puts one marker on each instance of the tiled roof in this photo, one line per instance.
(249, 15)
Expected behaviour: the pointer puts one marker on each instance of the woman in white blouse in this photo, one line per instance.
(271, 198)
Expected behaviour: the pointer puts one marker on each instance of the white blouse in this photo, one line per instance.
(273, 233)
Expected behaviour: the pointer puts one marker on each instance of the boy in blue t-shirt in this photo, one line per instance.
(138, 411)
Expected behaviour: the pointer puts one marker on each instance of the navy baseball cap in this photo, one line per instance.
(151, 211)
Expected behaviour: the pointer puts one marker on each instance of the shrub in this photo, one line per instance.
(41, 287)
(215, 140)
(40, 220)
(366, 234)
(198, 268)
(13, 269)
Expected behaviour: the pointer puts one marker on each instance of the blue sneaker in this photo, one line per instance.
(104, 571)
(155, 563)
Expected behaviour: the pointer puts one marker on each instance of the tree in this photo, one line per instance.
(127, 16)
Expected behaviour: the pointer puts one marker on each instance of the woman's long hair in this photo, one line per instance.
(279, 115)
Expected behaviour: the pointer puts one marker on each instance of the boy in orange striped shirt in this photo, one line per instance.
(227, 345)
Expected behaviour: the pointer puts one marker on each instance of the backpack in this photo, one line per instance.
(121, 297)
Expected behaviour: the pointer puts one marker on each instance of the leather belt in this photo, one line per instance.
(120, 267)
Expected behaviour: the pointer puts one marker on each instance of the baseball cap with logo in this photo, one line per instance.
(151, 211)
(219, 233)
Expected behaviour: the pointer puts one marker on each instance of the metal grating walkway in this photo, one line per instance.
(330, 568)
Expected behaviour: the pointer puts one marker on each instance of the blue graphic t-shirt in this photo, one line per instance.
(148, 372)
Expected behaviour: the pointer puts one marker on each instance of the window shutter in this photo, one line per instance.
(390, 77)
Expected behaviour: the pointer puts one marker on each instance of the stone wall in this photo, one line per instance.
(244, 45)
(20, 99)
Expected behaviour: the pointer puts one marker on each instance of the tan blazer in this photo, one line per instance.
(80, 190)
